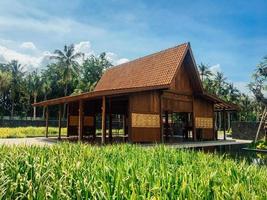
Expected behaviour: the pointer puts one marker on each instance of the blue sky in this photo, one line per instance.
(230, 36)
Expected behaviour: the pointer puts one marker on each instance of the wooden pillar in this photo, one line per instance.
(167, 124)
(46, 122)
(80, 126)
(59, 122)
(124, 124)
(224, 124)
(110, 122)
(213, 124)
(94, 131)
(68, 117)
(103, 120)
(160, 116)
(194, 131)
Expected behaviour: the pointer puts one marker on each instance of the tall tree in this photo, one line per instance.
(219, 82)
(34, 86)
(92, 70)
(17, 78)
(46, 88)
(67, 60)
(204, 71)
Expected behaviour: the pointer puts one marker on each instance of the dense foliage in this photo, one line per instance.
(217, 84)
(69, 73)
(22, 132)
(71, 171)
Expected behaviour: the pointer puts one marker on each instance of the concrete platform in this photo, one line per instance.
(39, 141)
(42, 141)
(209, 143)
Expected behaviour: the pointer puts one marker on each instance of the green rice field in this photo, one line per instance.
(80, 171)
(22, 132)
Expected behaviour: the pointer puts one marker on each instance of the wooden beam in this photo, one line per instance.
(59, 122)
(110, 122)
(46, 122)
(80, 126)
(103, 120)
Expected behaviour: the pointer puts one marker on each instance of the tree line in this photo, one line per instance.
(72, 73)
(69, 73)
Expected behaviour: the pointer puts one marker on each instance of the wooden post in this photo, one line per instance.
(110, 122)
(103, 120)
(124, 126)
(46, 122)
(160, 117)
(167, 124)
(80, 126)
(68, 117)
(213, 124)
(94, 131)
(59, 122)
(224, 124)
(194, 130)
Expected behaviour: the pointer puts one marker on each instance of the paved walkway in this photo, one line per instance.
(42, 141)
(210, 143)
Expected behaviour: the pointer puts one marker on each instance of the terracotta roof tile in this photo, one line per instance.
(157, 69)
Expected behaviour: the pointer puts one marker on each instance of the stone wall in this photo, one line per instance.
(246, 130)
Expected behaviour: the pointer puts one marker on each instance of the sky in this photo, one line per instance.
(229, 36)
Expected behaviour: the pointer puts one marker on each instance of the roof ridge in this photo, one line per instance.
(149, 55)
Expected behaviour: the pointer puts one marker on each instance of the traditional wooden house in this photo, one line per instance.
(159, 97)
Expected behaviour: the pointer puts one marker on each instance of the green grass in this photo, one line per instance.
(261, 144)
(78, 171)
(22, 132)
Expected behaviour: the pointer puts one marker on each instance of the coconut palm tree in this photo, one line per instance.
(67, 60)
(17, 76)
(46, 89)
(219, 81)
(34, 86)
(204, 71)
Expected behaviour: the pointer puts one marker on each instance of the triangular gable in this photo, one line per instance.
(187, 76)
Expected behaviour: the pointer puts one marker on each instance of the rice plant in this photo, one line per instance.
(78, 171)
(22, 132)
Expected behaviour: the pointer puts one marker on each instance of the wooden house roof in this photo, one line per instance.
(155, 70)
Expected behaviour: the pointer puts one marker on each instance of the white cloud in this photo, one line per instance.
(85, 48)
(243, 87)
(215, 68)
(114, 58)
(122, 60)
(9, 54)
(28, 45)
(37, 60)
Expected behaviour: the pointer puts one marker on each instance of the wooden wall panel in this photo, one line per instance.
(176, 105)
(204, 109)
(182, 81)
(144, 103)
(145, 135)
